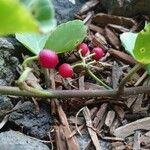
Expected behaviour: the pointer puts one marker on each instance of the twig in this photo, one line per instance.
(8, 90)
(76, 121)
(141, 79)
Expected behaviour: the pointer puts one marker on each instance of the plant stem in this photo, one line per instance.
(28, 60)
(97, 79)
(47, 77)
(8, 90)
(128, 76)
(23, 77)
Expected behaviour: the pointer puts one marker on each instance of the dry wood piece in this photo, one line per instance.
(145, 139)
(129, 128)
(116, 74)
(122, 56)
(63, 132)
(117, 146)
(137, 106)
(112, 38)
(118, 28)
(120, 112)
(99, 41)
(110, 118)
(87, 6)
(100, 116)
(96, 28)
(136, 144)
(131, 99)
(104, 19)
(114, 125)
(89, 125)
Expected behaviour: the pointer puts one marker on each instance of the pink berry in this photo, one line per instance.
(99, 53)
(65, 70)
(84, 48)
(48, 58)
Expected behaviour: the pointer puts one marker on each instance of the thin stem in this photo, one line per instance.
(23, 77)
(97, 79)
(28, 60)
(128, 76)
(8, 90)
(47, 77)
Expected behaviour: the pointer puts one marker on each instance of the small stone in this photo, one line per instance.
(12, 140)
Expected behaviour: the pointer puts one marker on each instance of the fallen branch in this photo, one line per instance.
(8, 90)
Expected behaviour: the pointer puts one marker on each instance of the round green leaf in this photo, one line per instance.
(33, 42)
(128, 41)
(16, 18)
(43, 12)
(66, 36)
(142, 46)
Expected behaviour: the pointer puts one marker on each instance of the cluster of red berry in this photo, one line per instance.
(49, 59)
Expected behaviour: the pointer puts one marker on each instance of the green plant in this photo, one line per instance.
(40, 32)
(137, 45)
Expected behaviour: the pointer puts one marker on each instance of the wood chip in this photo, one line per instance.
(129, 128)
(96, 28)
(137, 106)
(122, 56)
(110, 118)
(120, 112)
(101, 113)
(117, 146)
(112, 38)
(131, 100)
(137, 142)
(116, 74)
(87, 6)
(92, 133)
(97, 42)
(104, 19)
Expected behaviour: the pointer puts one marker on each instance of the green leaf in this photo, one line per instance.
(66, 36)
(142, 46)
(34, 42)
(128, 41)
(43, 12)
(16, 18)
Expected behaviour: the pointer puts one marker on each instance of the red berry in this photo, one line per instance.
(65, 70)
(99, 53)
(48, 58)
(84, 48)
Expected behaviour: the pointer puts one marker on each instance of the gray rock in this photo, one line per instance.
(34, 123)
(65, 10)
(8, 64)
(127, 8)
(12, 140)
(5, 105)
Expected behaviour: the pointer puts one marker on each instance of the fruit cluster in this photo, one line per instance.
(49, 59)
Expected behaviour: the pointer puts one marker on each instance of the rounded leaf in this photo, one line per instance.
(66, 36)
